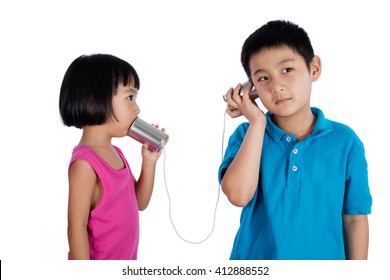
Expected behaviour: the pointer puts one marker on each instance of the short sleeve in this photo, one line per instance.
(234, 145)
(357, 198)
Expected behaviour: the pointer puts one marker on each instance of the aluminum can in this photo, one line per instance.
(144, 132)
(252, 94)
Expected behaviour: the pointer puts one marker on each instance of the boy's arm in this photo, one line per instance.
(356, 236)
(144, 185)
(82, 181)
(240, 180)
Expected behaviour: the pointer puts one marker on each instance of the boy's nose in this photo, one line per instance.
(277, 87)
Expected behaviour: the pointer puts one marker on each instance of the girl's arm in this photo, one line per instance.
(144, 185)
(356, 236)
(82, 183)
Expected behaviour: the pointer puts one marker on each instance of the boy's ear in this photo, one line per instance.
(315, 68)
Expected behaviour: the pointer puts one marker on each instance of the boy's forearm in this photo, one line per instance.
(241, 178)
(356, 236)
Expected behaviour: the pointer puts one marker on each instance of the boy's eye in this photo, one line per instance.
(286, 70)
(262, 79)
(131, 97)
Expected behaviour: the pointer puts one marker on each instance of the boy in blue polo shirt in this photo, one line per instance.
(301, 178)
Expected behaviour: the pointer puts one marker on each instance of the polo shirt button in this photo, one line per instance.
(288, 138)
(294, 168)
(295, 151)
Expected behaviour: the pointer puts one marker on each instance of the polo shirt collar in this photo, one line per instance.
(322, 126)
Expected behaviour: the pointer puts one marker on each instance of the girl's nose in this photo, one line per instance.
(137, 110)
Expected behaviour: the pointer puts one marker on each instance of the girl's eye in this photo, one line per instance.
(131, 97)
(286, 70)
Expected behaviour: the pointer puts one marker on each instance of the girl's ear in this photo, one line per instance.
(315, 68)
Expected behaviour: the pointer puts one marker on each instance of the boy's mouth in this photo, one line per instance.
(282, 101)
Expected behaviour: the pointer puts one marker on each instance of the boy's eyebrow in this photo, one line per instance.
(278, 64)
(286, 60)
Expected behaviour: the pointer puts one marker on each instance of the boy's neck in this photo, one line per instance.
(300, 124)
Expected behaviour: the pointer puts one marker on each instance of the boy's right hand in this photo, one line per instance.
(242, 105)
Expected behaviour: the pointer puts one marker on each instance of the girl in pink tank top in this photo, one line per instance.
(98, 95)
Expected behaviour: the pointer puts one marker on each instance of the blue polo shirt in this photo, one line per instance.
(304, 189)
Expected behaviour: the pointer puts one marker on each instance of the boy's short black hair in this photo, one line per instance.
(88, 87)
(275, 34)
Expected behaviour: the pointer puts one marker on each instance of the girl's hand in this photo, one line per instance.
(239, 105)
(150, 155)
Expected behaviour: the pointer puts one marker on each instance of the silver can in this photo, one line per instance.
(144, 132)
(252, 94)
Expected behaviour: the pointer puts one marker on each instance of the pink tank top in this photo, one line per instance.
(113, 226)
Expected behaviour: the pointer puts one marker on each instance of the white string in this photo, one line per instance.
(216, 204)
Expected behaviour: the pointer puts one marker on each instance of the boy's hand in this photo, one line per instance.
(239, 105)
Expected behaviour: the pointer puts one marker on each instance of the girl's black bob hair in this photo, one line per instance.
(88, 87)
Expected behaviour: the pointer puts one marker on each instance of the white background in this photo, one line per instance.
(187, 54)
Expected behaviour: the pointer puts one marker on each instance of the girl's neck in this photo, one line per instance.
(95, 136)
(99, 140)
